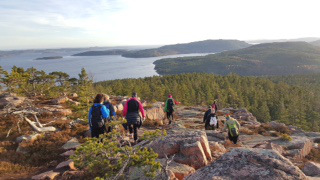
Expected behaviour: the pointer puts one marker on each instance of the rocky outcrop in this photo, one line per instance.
(29, 138)
(180, 171)
(10, 99)
(298, 148)
(189, 147)
(247, 163)
(312, 169)
(50, 175)
(71, 144)
(68, 165)
(155, 114)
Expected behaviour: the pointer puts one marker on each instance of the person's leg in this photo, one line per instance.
(170, 117)
(94, 133)
(130, 128)
(235, 139)
(135, 132)
(230, 137)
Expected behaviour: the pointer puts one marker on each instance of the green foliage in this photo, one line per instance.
(297, 105)
(149, 135)
(286, 137)
(283, 58)
(85, 87)
(111, 155)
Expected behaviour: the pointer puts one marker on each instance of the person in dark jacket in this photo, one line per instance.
(210, 115)
(113, 114)
(131, 112)
(98, 113)
(169, 108)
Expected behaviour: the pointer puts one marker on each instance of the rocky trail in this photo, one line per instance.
(265, 150)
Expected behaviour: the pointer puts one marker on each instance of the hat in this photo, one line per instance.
(170, 95)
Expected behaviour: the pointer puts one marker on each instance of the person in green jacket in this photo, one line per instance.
(169, 108)
(233, 127)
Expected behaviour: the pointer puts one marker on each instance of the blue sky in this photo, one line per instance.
(26, 24)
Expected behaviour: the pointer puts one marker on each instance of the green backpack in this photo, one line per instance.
(233, 129)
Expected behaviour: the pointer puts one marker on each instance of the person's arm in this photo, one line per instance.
(105, 112)
(142, 110)
(112, 112)
(125, 109)
(225, 126)
(205, 115)
(238, 124)
(89, 117)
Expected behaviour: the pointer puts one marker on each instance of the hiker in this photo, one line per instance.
(169, 108)
(210, 119)
(113, 114)
(233, 127)
(214, 105)
(131, 112)
(97, 115)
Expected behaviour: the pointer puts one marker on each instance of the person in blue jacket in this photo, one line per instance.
(113, 114)
(97, 116)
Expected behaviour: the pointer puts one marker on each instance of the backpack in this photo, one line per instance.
(170, 104)
(233, 129)
(96, 117)
(213, 121)
(111, 109)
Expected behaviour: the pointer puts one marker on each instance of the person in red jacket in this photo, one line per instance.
(131, 112)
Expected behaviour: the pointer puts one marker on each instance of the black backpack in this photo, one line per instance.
(96, 117)
(170, 104)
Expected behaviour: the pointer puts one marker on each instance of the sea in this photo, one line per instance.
(100, 68)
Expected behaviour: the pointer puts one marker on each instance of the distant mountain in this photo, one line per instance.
(49, 58)
(207, 46)
(259, 41)
(316, 43)
(283, 58)
(102, 53)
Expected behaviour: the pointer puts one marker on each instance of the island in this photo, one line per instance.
(49, 58)
(102, 53)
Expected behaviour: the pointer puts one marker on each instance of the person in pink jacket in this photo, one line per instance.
(131, 112)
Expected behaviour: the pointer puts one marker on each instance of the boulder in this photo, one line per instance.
(217, 148)
(275, 147)
(120, 107)
(248, 163)
(68, 153)
(28, 138)
(311, 169)
(60, 100)
(244, 114)
(10, 99)
(298, 148)
(190, 147)
(180, 171)
(46, 176)
(71, 144)
(155, 114)
(69, 165)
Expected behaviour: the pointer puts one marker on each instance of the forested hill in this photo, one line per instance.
(316, 43)
(267, 99)
(207, 46)
(282, 58)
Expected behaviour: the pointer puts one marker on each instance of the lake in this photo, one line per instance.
(99, 67)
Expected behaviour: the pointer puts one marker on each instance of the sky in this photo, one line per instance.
(28, 24)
